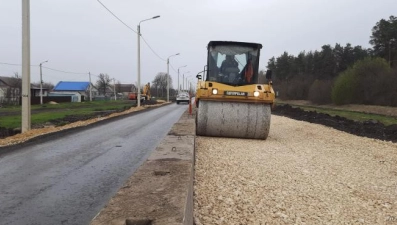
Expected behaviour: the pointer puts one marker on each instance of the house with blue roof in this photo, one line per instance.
(79, 90)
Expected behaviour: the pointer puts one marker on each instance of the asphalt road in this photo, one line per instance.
(68, 180)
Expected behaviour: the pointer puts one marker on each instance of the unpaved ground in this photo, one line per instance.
(371, 129)
(302, 174)
(375, 109)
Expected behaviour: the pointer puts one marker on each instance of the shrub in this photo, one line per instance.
(320, 92)
(296, 88)
(361, 84)
(384, 89)
(344, 88)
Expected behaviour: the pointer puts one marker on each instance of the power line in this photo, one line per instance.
(116, 17)
(14, 64)
(61, 71)
(152, 49)
(154, 52)
(11, 64)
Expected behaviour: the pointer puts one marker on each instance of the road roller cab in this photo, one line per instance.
(231, 100)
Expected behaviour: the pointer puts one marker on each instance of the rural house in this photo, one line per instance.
(79, 90)
(10, 89)
(35, 90)
(123, 90)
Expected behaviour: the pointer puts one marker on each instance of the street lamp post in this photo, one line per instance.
(168, 76)
(183, 80)
(41, 83)
(114, 89)
(186, 80)
(189, 84)
(178, 76)
(138, 99)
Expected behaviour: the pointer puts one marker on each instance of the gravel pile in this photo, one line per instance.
(302, 174)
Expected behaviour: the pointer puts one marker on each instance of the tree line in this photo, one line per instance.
(158, 86)
(336, 74)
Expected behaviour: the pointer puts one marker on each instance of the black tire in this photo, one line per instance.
(177, 102)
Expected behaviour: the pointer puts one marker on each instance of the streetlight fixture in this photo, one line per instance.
(178, 76)
(41, 82)
(168, 76)
(183, 85)
(138, 99)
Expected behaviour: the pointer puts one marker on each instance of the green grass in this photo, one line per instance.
(58, 111)
(356, 116)
(70, 105)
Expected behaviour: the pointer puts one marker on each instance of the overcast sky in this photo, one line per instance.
(81, 36)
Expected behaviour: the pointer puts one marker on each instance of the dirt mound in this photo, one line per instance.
(150, 102)
(371, 129)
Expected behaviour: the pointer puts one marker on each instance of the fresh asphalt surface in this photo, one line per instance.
(68, 180)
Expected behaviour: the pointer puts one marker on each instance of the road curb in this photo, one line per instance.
(161, 190)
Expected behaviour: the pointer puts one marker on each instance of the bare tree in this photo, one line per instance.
(46, 85)
(103, 83)
(160, 83)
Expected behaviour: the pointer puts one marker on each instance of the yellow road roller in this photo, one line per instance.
(230, 100)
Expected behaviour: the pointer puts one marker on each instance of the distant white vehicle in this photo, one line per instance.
(182, 97)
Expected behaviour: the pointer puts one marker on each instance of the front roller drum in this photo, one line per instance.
(233, 119)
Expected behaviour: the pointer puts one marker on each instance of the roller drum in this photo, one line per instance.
(233, 119)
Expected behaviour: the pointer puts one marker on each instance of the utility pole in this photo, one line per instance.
(187, 84)
(168, 76)
(114, 89)
(138, 96)
(178, 77)
(168, 79)
(89, 74)
(41, 83)
(26, 120)
(183, 81)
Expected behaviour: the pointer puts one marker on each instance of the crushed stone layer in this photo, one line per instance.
(374, 109)
(302, 174)
(23, 137)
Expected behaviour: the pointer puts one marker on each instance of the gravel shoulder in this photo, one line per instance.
(302, 174)
(374, 109)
